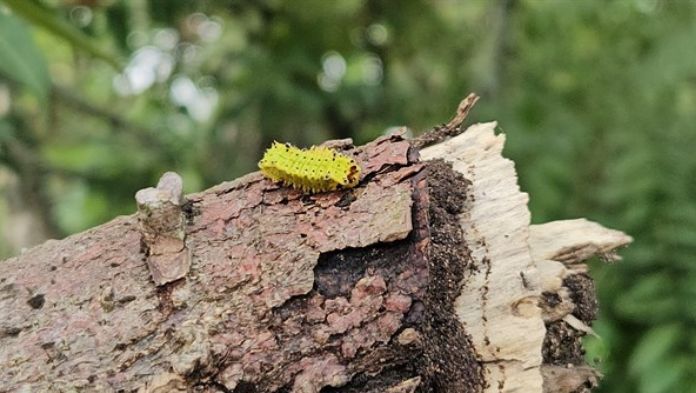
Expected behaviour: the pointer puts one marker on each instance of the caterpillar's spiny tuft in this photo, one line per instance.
(316, 169)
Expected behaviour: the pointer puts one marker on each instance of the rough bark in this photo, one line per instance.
(425, 278)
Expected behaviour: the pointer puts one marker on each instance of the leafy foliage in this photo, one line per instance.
(21, 59)
(598, 100)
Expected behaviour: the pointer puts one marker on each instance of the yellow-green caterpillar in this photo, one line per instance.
(316, 169)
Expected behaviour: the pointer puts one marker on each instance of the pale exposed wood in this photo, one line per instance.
(560, 249)
(558, 379)
(407, 386)
(496, 308)
(499, 304)
(573, 241)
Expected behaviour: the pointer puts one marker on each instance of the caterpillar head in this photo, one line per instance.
(352, 177)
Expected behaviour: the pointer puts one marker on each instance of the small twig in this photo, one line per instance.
(452, 128)
(463, 111)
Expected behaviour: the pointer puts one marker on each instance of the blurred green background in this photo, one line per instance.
(597, 98)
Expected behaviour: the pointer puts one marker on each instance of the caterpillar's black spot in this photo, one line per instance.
(310, 170)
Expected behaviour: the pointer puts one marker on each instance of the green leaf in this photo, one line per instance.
(654, 347)
(649, 299)
(97, 158)
(20, 59)
(665, 376)
(5, 133)
(43, 18)
(6, 130)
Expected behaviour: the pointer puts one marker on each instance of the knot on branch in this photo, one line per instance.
(163, 229)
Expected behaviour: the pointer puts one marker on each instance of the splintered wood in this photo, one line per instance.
(499, 311)
(568, 303)
(501, 303)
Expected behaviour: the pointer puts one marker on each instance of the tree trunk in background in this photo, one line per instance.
(426, 278)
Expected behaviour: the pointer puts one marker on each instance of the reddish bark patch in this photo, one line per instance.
(284, 291)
